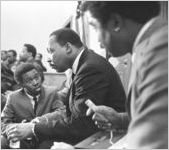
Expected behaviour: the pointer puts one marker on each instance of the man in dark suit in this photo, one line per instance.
(133, 27)
(29, 103)
(93, 78)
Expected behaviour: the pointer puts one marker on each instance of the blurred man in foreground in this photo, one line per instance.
(133, 27)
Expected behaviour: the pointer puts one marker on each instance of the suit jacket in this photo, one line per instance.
(18, 106)
(95, 79)
(148, 101)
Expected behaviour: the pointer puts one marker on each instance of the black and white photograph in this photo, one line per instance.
(84, 74)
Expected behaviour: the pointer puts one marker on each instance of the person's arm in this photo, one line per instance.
(106, 117)
(7, 115)
(56, 106)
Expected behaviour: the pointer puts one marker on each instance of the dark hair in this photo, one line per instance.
(24, 68)
(13, 51)
(138, 11)
(65, 35)
(31, 49)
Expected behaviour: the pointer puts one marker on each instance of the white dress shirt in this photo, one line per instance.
(31, 99)
(76, 62)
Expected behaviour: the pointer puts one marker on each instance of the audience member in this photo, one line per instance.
(28, 54)
(12, 59)
(93, 78)
(3, 55)
(38, 59)
(12, 55)
(133, 27)
(29, 103)
(7, 75)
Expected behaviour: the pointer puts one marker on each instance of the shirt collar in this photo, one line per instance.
(30, 96)
(76, 62)
(140, 34)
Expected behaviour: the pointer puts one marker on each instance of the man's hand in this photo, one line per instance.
(105, 117)
(20, 131)
(35, 120)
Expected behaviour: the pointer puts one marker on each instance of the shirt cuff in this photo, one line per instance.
(33, 131)
(124, 120)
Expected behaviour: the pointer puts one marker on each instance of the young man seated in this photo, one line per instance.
(27, 104)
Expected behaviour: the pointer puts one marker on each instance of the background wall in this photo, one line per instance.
(32, 22)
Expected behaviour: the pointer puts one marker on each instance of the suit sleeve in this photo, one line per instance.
(149, 126)
(57, 112)
(90, 83)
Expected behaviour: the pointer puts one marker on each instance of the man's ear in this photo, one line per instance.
(68, 46)
(115, 23)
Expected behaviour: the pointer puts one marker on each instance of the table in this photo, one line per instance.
(100, 140)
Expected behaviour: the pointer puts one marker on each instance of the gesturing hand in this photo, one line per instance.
(20, 131)
(105, 117)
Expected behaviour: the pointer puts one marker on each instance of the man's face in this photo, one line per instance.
(24, 55)
(11, 57)
(32, 81)
(113, 42)
(58, 53)
(3, 55)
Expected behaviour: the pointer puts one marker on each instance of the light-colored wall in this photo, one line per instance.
(54, 79)
(32, 22)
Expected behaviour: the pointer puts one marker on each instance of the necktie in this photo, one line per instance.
(72, 85)
(70, 95)
(73, 75)
(36, 104)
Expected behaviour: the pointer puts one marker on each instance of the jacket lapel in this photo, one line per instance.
(41, 100)
(72, 87)
(82, 59)
(27, 102)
